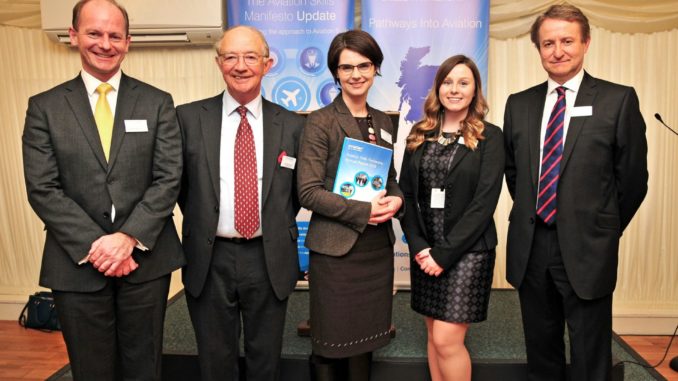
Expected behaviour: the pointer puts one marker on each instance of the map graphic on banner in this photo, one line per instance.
(416, 36)
(299, 34)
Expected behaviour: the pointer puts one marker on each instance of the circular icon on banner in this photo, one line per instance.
(311, 61)
(327, 91)
(377, 183)
(347, 189)
(292, 93)
(278, 62)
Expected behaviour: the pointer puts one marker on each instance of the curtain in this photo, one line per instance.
(625, 49)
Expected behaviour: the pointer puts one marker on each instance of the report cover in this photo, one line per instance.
(363, 170)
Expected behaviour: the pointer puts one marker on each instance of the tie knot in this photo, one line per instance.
(104, 88)
(561, 90)
(242, 110)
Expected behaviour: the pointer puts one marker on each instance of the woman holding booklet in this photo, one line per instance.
(351, 241)
(451, 177)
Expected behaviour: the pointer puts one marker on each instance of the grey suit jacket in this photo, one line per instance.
(200, 124)
(603, 181)
(71, 187)
(472, 189)
(336, 222)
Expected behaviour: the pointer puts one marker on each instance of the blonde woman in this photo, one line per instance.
(451, 178)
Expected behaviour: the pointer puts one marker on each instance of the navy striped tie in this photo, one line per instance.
(552, 154)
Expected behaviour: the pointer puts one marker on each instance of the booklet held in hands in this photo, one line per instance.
(363, 170)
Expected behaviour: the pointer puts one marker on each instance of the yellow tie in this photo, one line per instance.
(104, 118)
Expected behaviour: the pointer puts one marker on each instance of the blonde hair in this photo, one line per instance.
(471, 128)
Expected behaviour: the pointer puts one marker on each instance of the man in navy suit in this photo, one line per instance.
(239, 202)
(576, 168)
(102, 162)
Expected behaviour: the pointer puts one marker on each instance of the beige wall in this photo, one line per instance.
(648, 269)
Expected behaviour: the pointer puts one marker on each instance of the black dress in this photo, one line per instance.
(351, 296)
(462, 293)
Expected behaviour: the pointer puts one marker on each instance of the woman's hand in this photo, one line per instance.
(384, 207)
(427, 263)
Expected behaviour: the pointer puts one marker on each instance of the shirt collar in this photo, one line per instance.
(92, 83)
(231, 105)
(572, 85)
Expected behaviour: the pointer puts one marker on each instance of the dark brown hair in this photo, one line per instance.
(565, 12)
(78, 8)
(471, 128)
(358, 41)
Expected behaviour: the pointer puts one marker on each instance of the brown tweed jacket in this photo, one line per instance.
(336, 222)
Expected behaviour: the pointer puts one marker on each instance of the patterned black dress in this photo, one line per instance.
(462, 293)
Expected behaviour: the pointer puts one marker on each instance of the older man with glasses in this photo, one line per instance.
(239, 201)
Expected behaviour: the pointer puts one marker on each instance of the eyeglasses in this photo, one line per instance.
(347, 69)
(230, 59)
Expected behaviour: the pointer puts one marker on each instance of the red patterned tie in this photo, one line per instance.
(245, 170)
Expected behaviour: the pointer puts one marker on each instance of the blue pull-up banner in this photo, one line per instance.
(299, 33)
(416, 36)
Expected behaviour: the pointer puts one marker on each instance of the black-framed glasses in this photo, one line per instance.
(364, 67)
(230, 59)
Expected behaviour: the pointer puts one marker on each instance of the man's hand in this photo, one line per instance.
(108, 253)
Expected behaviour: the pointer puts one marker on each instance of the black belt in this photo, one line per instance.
(238, 240)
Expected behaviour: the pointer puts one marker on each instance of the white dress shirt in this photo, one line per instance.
(91, 85)
(229, 127)
(551, 97)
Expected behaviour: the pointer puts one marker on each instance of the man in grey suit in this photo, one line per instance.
(103, 173)
(239, 202)
(576, 167)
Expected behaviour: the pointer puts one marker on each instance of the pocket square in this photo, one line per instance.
(280, 157)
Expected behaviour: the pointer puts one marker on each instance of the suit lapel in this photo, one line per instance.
(459, 156)
(414, 170)
(535, 112)
(346, 121)
(79, 102)
(414, 173)
(272, 139)
(585, 96)
(210, 120)
(127, 98)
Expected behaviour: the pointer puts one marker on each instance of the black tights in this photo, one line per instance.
(354, 368)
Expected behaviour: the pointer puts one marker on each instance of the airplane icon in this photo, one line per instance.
(291, 97)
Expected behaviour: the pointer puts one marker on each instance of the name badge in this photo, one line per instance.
(437, 198)
(386, 136)
(136, 125)
(288, 162)
(581, 111)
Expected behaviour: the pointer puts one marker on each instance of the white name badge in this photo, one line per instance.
(386, 136)
(136, 125)
(437, 198)
(581, 111)
(288, 162)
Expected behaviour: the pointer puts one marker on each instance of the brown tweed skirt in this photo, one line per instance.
(351, 296)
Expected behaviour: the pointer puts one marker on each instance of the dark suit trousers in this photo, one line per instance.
(115, 333)
(548, 301)
(238, 284)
